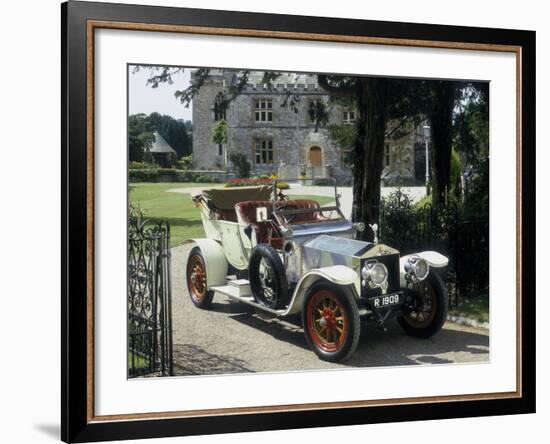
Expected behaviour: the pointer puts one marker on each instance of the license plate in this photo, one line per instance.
(387, 300)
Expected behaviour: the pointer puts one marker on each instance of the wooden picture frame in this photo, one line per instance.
(79, 22)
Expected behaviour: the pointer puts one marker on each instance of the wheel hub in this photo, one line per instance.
(328, 320)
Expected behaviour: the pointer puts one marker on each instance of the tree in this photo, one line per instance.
(443, 97)
(372, 115)
(471, 141)
(471, 127)
(219, 133)
(219, 137)
(140, 136)
(448, 107)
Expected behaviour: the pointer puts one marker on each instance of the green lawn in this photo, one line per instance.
(178, 209)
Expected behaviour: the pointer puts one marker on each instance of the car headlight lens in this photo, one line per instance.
(375, 273)
(417, 268)
(422, 269)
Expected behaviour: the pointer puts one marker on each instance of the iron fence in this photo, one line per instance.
(150, 348)
(464, 240)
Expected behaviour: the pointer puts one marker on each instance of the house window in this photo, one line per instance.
(263, 151)
(263, 110)
(387, 155)
(345, 157)
(220, 149)
(219, 107)
(348, 117)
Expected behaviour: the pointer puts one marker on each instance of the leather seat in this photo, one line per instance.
(246, 215)
(313, 216)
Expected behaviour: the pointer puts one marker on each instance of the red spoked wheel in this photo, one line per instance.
(197, 280)
(326, 321)
(331, 321)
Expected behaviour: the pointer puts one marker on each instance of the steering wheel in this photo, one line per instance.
(289, 218)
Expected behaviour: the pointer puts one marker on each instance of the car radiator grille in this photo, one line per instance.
(391, 261)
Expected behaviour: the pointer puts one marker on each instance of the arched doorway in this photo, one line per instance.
(315, 157)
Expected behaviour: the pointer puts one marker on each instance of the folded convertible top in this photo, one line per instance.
(226, 198)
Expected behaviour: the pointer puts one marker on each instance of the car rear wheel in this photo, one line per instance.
(267, 277)
(197, 280)
(428, 313)
(330, 318)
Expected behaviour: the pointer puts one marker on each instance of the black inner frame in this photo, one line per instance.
(74, 423)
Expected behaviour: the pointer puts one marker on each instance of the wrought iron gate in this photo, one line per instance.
(149, 298)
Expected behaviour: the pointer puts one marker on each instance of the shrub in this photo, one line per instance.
(193, 176)
(241, 164)
(185, 162)
(137, 165)
(168, 175)
(283, 185)
(150, 175)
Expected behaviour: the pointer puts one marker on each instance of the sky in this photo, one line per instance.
(144, 99)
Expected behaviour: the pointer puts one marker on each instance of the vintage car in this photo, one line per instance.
(287, 257)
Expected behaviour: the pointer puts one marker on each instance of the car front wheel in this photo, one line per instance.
(330, 318)
(428, 307)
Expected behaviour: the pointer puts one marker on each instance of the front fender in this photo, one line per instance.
(214, 260)
(434, 259)
(337, 274)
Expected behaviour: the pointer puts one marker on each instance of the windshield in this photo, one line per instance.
(301, 201)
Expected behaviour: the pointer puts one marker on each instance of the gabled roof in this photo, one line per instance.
(161, 146)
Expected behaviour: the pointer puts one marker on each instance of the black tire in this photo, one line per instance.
(344, 304)
(431, 291)
(269, 288)
(197, 282)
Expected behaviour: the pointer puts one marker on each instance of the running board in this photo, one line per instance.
(239, 290)
(233, 292)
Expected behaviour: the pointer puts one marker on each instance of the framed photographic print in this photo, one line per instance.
(276, 221)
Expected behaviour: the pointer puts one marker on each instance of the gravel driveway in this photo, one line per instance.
(232, 338)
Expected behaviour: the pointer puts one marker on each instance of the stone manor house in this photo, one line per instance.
(277, 140)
